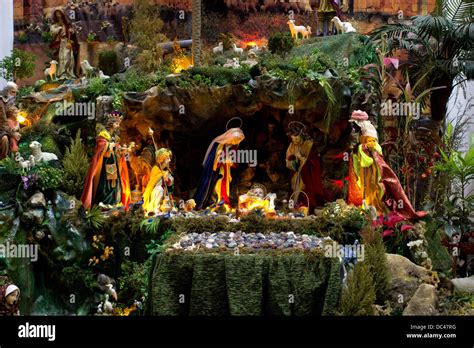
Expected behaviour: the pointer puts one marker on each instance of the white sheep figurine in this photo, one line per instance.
(237, 50)
(28, 164)
(232, 63)
(219, 48)
(87, 69)
(40, 156)
(102, 76)
(50, 73)
(343, 27)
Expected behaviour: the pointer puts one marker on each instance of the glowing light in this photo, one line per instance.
(180, 64)
(22, 119)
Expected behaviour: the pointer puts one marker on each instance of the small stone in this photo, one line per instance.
(423, 302)
(37, 201)
(464, 284)
(35, 216)
(209, 246)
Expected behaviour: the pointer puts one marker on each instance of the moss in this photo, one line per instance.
(221, 76)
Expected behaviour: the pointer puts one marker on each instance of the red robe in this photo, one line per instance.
(93, 176)
(394, 196)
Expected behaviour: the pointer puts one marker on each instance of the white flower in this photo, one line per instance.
(415, 243)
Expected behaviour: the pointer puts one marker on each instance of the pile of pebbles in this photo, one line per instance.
(257, 241)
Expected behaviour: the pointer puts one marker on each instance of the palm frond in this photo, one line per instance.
(458, 11)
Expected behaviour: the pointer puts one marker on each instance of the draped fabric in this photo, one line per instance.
(372, 180)
(97, 188)
(222, 284)
(306, 174)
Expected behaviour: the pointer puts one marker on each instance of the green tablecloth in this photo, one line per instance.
(244, 285)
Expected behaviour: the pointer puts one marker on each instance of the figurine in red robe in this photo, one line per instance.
(371, 180)
(107, 181)
(302, 158)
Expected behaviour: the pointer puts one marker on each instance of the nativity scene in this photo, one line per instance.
(147, 155)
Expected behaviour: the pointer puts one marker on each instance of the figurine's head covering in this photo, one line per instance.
(11, 288)
(113, 117)
(359, 115)
(233, 135)
(368, 130)
(5, 309)
(11, 86)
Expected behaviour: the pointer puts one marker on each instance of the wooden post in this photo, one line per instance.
(196, 34)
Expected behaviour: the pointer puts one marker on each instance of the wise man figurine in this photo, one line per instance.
(371, 181)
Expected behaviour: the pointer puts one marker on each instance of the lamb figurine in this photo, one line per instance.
(237, 50)
(88, 69)
(232, 63)
(219, 48)
(50, 73)
(40, 156)
(28, 164)
(343, 27)
(307, 32)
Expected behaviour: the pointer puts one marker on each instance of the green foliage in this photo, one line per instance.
(150, 225)
(358, 296)
(48, 134)
(108, 62)
(281, 43)
(94, 217)
(158, 246)
(134, 81)
(145, 32)
(19, 65)
(133, 284)
(439, 44)
(46, 36)
(377, 262)
(91, 37)
(117, 99)
(460, 205)
(23, 37)
(9, 166)
(220, 76)
(95, 88)
(24, 91)
(49, 145)
(48, 178)
(75, 164)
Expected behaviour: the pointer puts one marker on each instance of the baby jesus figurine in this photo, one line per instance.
(255, 198)
(156, 198)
